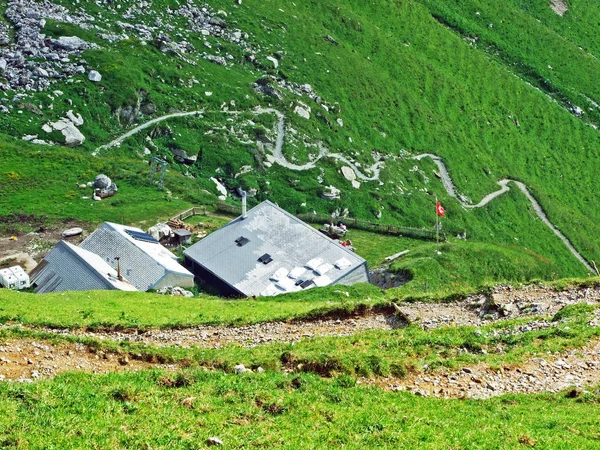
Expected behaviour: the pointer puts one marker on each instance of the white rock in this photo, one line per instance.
(94, 76)
(71, 43)
(240, 368)
(305, 114)
(47, 128)
(29, 137)
(72, 232)
(3, 65)
(340, 122)
(208, 93)
(76, 120)
(214, 441)
(356, 184)
(73, 136)
(348, 173)
(222, 189)
(42, 72)
(274, 61)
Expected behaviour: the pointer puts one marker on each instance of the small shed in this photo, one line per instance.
(182, 237)
(268, 251)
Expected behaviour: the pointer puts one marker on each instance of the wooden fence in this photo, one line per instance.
(358, 224)
(196, 210)
(381, 228)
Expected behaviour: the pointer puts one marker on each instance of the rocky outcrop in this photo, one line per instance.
(72, 137)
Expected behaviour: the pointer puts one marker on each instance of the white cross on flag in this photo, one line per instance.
(439, 209)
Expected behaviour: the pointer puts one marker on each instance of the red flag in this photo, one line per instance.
(439, 209)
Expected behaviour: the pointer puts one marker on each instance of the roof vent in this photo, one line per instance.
(265, 259)
(241, 241)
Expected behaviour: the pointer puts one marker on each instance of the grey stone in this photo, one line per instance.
(70, 43)
(102, 182)
(214, 441)
(94, 76)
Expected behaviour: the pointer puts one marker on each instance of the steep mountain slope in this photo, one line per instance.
(496, 90)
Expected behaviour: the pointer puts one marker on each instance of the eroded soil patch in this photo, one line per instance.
(26, 360)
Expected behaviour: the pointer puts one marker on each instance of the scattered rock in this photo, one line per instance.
(94, 76)
(72, 232)
(214, 441)
(240, 368)
(330, 193)
(102, 182)
(303, 112)
(175, 291)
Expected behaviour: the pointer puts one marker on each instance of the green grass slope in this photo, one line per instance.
(406, 78)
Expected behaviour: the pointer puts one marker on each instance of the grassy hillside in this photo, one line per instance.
(121, 411)
(404, 78)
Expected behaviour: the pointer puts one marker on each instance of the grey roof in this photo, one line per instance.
(143, 263)
(70, 268)
(290, 242)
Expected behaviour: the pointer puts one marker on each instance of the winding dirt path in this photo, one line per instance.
(452, 191)
(278, 158)
(277, 152)
(141, 127)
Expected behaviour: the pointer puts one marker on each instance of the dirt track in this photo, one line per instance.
(27, 360)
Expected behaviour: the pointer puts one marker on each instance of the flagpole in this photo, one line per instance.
(437, 228)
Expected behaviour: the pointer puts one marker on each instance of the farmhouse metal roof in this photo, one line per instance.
(70, 268)
(143, 260)
(270, 252)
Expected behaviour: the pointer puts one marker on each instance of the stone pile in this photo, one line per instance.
(175, 291)
(571, 369)
(33, 61)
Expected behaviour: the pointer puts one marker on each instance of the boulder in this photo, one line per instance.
(303, 112)
(70, 43)
(102, 182)
(94, 76)
(108, 191)
(72, 232)
(330, 193)
(72, 135)
(348, 173)
(40, 72)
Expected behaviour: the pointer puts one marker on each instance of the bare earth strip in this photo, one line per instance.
(556, 372)
(26, 360)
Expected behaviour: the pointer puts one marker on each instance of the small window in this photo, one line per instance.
(265, 259)
(241, 241)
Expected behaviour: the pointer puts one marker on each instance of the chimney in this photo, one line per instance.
(119, 277)
(244, 214)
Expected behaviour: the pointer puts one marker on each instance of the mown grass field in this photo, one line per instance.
(270, 410)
